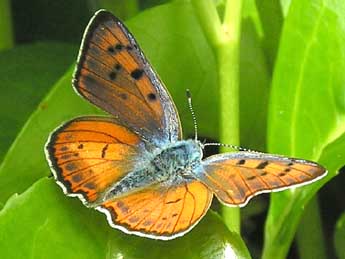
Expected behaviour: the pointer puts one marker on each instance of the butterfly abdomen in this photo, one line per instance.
(132, 182)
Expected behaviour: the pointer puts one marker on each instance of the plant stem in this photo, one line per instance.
(209, 20)
(225, 40)
(228, 62)
(6, 34)
(309, 236)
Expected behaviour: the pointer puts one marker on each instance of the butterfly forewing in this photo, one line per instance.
(237, 177)
(89, 154)
(113, 73)
(161, 211)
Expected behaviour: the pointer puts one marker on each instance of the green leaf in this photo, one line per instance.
(285, 4)
(6, 33)
(123, 9)
(151, 3)
(339, 237)
(250, 12)
(41, 20)
(254, 89)
(271, 16)
(49, 224)
(307, 109)
(27, 73)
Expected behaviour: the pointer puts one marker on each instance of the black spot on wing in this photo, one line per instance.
(118, 67)
(112, 75)
(77, 178)
(175, 201)
(241, 162)
(104, 150)
(137, 73)
(122, 207)
(151, 97)
(262, 165)
(64, 148)
(65, 157)
(71, 167)
(90, 185)
(111, 49)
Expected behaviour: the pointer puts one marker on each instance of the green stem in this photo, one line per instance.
(6, 33)
(310, 238)
(209, 20)
(225, 40)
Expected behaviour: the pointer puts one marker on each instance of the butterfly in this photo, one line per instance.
(134, 166)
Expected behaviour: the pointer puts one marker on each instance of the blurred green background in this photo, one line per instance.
(283, 44)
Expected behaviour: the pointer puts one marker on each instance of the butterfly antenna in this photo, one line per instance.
(190, 105)
(231, 146)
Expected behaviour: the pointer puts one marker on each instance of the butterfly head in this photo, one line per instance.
(195, 150)
(191, 155)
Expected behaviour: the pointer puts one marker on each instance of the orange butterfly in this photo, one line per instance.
(134, 167)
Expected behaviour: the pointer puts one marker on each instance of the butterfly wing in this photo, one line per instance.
(159, 211)
(236, 177)
(88, 154)
(113, 73)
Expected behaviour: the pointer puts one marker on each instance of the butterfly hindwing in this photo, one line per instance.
(113, 74)
(89, 154)
(236, 177)
(159, 211)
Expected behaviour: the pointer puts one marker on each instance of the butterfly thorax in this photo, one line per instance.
(177, 158)
(169, 165)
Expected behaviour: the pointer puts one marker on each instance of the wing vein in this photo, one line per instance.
(261, 179)
(244, 181)
(101, 132)
(216, 183)
(84, 168)
(89, 158)
(181, 211)
(111, 83)
(162, 210)
(191, 194)
(84, 141)
(134, 58)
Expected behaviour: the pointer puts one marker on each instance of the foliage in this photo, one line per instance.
(290, 99)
